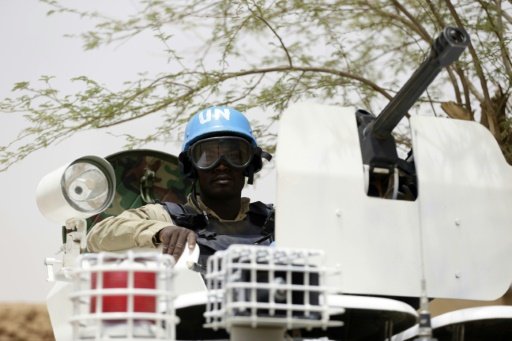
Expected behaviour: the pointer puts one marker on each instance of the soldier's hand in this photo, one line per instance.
(175, 238)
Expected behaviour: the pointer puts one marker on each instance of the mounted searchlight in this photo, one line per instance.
(80, 189)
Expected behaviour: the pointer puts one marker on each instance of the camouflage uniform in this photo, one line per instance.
(136, 227)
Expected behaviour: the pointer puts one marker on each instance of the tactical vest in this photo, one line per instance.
(213, 235)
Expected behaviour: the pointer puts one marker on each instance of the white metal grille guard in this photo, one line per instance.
(292, 282)
(92, 318)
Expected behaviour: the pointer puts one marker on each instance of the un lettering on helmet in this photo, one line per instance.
(213, 113)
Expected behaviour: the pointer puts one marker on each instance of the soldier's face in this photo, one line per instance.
(221, 182)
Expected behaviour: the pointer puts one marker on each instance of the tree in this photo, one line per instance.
(268, 54)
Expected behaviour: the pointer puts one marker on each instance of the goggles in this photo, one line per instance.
(207, 154)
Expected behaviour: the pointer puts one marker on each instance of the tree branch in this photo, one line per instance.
(290, 63)
(420, 29)
(498, 29)
(480, 73)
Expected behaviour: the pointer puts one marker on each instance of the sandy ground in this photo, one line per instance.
(30, 322)
(24, 322)
(441, 306)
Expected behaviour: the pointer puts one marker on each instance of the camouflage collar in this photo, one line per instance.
(244, 208)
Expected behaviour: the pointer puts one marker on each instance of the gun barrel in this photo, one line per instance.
(446, 49)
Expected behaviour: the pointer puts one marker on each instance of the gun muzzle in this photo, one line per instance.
(446, 49)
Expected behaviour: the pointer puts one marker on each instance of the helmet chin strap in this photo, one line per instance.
(194, 199)
(250, 173)
(250, 178)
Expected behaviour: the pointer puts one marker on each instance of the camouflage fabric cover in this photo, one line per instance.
(144, 176)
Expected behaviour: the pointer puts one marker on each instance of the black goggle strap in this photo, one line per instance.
(259, 153)
(266, 156)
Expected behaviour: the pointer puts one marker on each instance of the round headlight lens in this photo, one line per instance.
(86, 187)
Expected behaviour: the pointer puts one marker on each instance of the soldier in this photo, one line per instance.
(219, 152)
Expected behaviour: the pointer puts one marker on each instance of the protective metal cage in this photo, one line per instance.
(126, 296)
(264, 286)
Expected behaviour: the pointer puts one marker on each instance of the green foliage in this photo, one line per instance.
(268, 54)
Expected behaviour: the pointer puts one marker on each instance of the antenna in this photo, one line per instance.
(424, 316)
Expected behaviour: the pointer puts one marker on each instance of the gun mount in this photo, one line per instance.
(388, 176)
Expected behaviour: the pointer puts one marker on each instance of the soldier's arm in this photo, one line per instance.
(130, 229)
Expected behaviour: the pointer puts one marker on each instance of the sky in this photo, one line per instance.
(33, 44)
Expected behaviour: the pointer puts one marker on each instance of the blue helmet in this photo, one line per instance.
(214, 121)
(219, 121)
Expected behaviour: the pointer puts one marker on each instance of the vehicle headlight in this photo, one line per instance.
(80, 189)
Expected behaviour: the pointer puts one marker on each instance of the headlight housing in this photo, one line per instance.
(80, 189)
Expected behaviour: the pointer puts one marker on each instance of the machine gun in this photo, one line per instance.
(387, 175)
(451, 240)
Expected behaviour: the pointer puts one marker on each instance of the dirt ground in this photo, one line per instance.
(30, 322)
(24, 322)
